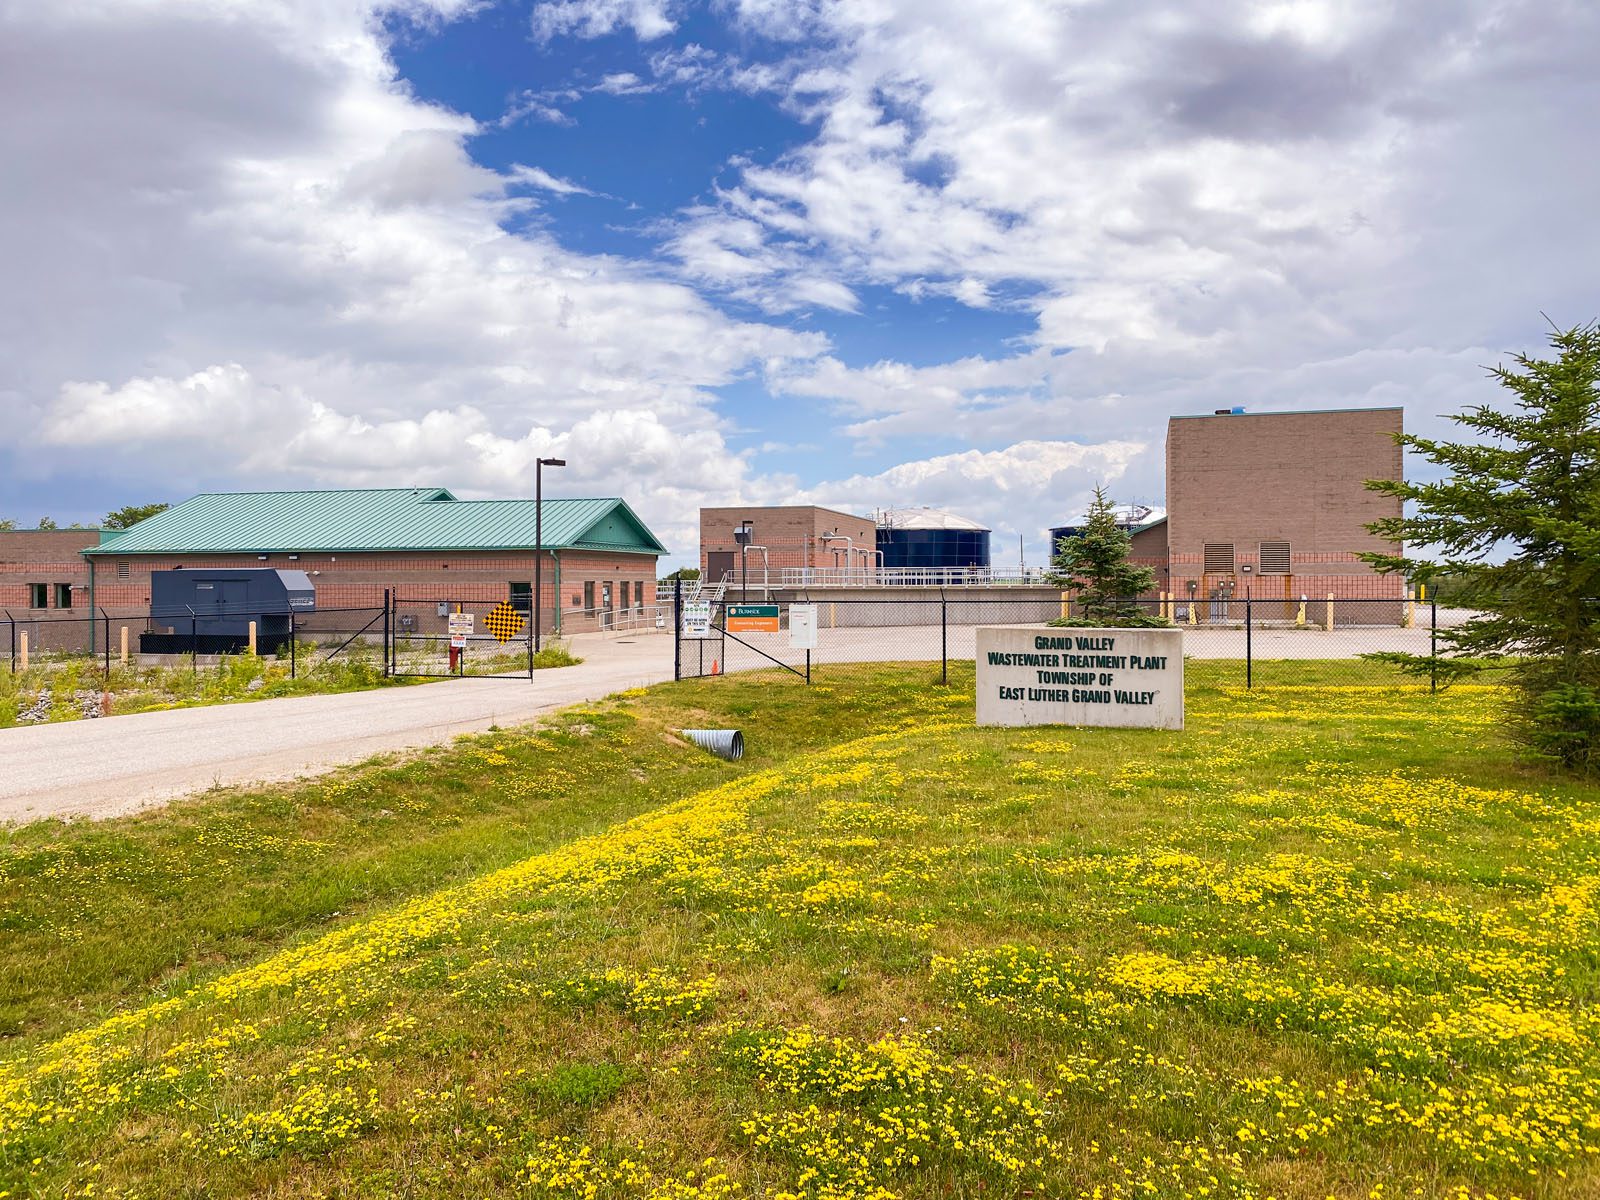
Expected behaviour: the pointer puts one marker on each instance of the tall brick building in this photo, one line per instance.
(1276, 503)
(427, 546)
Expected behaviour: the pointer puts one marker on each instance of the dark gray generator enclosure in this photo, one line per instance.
(208, 610)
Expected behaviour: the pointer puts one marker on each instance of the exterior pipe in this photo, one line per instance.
(724, 743)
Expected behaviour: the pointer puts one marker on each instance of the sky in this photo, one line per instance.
(863, 254)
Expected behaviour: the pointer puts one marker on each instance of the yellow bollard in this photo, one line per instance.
(1330, 612)
(1408, 615)
(1194, 610)
(22, 650)
(1066, 605)
(1300, 617)
(124, 645)
(252, 639)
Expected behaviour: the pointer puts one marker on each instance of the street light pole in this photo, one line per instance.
(538, 538)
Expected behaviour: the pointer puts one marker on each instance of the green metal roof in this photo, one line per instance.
(383, 519)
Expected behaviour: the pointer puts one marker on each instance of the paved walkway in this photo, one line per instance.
(119, 765)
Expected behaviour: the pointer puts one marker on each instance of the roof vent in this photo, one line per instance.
(1222, 412)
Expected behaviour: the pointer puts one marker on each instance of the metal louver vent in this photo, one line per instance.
(1219, 558)
(122, 568)
(1275, 558)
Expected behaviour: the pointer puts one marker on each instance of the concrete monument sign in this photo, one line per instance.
(1129, 678)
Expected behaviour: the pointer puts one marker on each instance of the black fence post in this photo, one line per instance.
(1433, 645)
(292, 651)
(677, 628)
(194, 643)
(386, 633)
(107, 618)
(1249, 655)
(944, 639)
(13, 622)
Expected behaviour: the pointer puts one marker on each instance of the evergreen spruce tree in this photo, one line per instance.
(1094, 567)
(1528, 489)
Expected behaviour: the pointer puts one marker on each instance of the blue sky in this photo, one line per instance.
(761, 251)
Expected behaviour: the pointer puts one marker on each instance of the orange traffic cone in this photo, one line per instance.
(715, 668)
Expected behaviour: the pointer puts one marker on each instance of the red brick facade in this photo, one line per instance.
(48, 557)
(577, 584)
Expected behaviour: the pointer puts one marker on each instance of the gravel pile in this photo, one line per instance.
(87, 704)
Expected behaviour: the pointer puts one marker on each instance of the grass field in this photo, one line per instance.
(1326, 941)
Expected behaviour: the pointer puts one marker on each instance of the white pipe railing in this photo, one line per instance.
(802, 577)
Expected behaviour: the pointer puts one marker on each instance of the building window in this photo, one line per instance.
(1219, 558)
(1275, 558)
(588, 595)
(63, 595)
(122, 568)
(624, 603)
(522, 597)
(38, 595)
(638, 594)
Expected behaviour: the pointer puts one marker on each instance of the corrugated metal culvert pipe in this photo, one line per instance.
(724, 743)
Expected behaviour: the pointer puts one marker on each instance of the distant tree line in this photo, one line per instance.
(118, 518)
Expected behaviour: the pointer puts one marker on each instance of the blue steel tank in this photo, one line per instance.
(928, 539)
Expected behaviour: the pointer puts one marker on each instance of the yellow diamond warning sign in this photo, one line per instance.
(504, 622)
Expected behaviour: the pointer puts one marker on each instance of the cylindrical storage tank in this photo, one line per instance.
(926, 538)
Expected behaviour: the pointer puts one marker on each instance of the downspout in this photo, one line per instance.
(556, 554)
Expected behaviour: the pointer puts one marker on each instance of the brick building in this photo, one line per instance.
(1276, 503)
(800, 535)
(43, 570)
(428, 547)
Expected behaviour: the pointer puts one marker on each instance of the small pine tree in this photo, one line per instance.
(1093, 566)
(1528, 490)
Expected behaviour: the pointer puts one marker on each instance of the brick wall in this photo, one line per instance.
(1248, 478)
(792, 535)
(420, 581)
(48, 556)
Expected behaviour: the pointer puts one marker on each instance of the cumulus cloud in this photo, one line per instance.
(1234, 203)
(266, 263)
(647, 19)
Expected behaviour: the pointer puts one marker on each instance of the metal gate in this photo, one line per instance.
(702, 645)
(430, 637)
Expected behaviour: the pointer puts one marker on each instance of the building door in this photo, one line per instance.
(607, 615)
(719, 565)
(1220, 595)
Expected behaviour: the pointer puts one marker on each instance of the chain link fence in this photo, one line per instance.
(1243, 643)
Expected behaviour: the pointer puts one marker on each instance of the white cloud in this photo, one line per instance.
(648, 19)
(1200, 205)
(540, 178)
(245, 255)
(623, 83)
